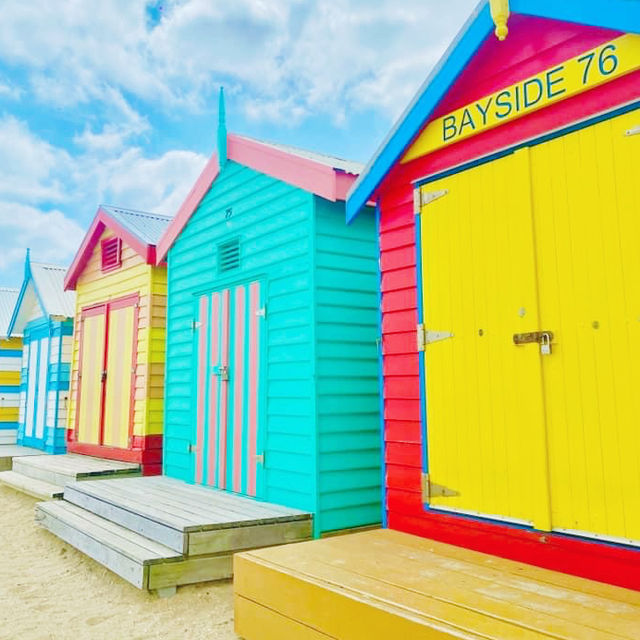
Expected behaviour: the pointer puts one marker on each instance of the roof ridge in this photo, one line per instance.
(283, 145)
(48, 265)
(136, 212)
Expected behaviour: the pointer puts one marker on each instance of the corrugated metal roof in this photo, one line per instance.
(49, 281)
(8, 299)
(148, 227)
(348, 166)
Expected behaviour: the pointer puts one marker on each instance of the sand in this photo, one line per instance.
(48, 590)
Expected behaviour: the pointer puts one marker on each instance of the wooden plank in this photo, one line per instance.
(127, 543)
(237, 539)
(190, 571)
(341, 613)
(491, 592)
(255, 622)
(410, 576)
(128, 569)
(118, 513)
(30, 486)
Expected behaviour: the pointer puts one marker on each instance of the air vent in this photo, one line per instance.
(228, 255)
(111, 253)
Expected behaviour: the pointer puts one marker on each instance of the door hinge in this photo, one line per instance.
(262, 312)
(432, 490)
(422, 198)
(634, 131)
(426, 337)
(259, 458)
(195, 325)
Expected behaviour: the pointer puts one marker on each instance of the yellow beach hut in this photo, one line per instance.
(117, 373)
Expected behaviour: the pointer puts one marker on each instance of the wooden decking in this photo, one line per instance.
(10, 451)
(158, 533)
(45, 476)
(385, 584)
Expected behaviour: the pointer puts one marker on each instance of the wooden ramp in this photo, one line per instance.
(384, 584)
(45, 476)
(159, 533)
(10, 451)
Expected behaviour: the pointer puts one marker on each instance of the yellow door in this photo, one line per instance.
(485, 413)
(586, 198)
(118, 390)
(89, 413)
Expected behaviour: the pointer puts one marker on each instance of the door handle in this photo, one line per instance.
(223, 372)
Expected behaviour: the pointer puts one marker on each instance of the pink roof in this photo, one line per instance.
(325, 176)
(139, 230)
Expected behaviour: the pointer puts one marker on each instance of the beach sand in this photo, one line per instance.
(48, 590)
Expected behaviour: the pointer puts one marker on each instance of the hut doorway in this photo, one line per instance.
(36, 355)
(107, 373)
(228, 333)
(530, 293)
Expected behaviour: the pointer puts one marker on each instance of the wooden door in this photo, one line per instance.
(484, 402)
(587, 229)
(36, 392)
(228, 452)
(108, 348)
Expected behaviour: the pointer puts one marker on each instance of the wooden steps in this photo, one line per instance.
(31, 486)
(385, 584)
(10, 451)
(45, 476)
(194, 530)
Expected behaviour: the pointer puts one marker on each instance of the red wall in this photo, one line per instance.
(496, 65)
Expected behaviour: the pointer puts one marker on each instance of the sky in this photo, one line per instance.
(115, 101)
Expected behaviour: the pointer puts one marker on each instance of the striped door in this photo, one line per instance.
(36, 393)
(104, 415)
(228, 451)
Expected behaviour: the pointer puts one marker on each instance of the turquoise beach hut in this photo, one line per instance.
(272, 326)
(43, 315)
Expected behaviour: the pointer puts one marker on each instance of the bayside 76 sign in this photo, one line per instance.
(588, 70)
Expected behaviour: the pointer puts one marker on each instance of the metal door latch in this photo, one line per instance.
(543, 338)
(223, 372)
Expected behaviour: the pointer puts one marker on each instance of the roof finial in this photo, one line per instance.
(222, 130)
(27, 263)
(500, 14)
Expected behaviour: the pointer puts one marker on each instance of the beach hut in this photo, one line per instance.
(10, 361)
(271, 388)
(43, 315)
(507, 198)
(117, 373)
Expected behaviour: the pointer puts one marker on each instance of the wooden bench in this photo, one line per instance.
(386, 584)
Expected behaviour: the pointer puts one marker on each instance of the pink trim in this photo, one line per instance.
(238, 391)
(190, 204)
(314, 177)
(102, 221)
(224, 392)
(254, 349)
(214, 386)
(202, 369)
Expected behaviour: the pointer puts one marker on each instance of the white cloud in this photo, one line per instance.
(30, 168)
(51, 235)
(326, 56)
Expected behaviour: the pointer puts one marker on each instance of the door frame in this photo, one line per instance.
(416, 186)
(105, 308)
(261, 436)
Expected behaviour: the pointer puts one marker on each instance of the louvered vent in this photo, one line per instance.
(111, 253)
(229, 255)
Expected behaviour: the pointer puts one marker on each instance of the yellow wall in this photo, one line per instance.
(10, 377)
(134, 276)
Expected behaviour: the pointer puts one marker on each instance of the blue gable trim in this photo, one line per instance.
(621, 15)
(28, 278)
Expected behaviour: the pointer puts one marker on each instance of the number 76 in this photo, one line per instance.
(607, 62)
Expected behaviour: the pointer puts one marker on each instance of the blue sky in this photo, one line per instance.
(115, 101)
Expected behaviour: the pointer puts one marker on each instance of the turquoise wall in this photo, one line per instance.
(322, 431)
